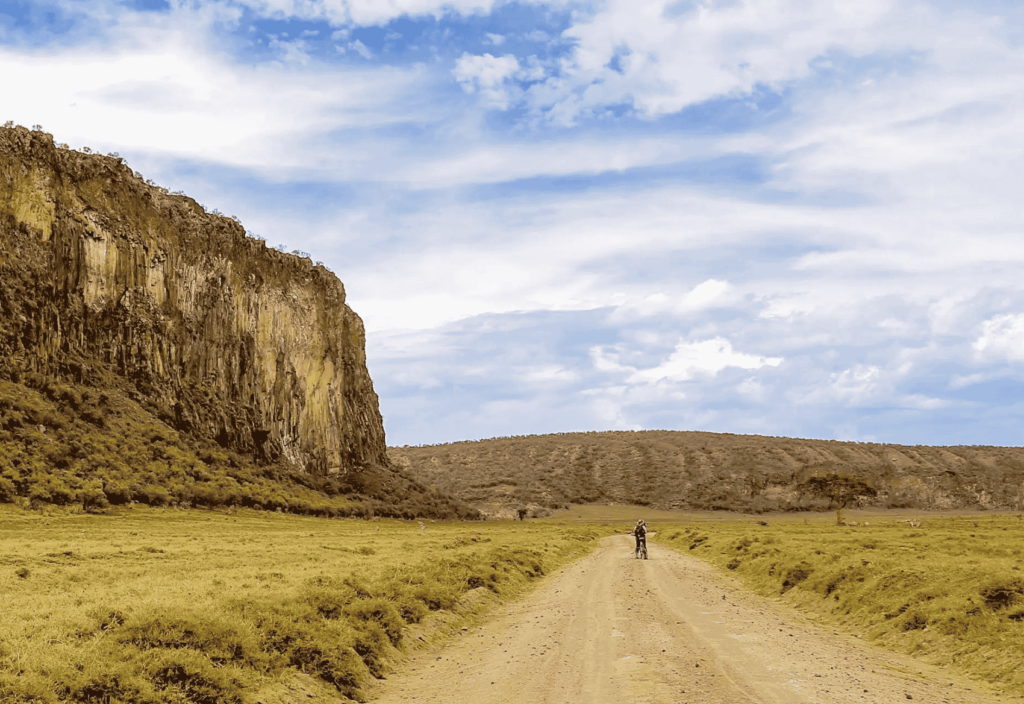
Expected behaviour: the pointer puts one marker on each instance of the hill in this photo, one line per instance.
(709, 471)
(153, 351)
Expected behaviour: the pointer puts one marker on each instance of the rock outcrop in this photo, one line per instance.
(109, 280)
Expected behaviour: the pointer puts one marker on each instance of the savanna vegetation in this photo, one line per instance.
(711, 471)
(948, 589)
(159, 605)
(69, 444)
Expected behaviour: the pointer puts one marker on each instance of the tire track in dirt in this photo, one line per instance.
(671, 629)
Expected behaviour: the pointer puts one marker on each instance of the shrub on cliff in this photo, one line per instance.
(53, 451)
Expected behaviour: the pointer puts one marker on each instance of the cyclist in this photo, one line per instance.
(640, 533)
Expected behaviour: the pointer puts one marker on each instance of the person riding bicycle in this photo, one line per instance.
(640, 533)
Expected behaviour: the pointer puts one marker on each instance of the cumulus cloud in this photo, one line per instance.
(1001, 338)
(643, 53)
(488, 75)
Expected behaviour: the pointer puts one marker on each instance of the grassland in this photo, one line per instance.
(167, 605)
(949, 590)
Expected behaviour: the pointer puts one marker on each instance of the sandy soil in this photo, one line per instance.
(670, 629)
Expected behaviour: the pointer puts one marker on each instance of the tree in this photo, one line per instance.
(839, 489)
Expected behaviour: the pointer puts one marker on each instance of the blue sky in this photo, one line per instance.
(750, 216)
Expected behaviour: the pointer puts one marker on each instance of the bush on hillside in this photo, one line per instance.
(54, 449)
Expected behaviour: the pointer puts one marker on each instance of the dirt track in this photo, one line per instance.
(671, 629)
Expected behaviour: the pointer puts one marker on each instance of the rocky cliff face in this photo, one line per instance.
(106, 279)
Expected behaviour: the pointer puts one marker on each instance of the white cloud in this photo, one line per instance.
(364, 12)
(533, 70)
(857, 385)
(495, 39)
(607, 361)
(698, 358)
(1002, 338)
(156, 90)
(708, 294)
(361, 49)
(488, 75)
(633, 51)
(291, 51)
(548, 374)
(752, 388)
(923, 403)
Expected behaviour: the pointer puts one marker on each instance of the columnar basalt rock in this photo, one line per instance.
(108, 279)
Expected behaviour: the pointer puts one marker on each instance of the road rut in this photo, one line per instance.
(671, 629)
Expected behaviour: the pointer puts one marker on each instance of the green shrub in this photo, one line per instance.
(93, 498)
(155, 495)
(7, 490)
(50, 488)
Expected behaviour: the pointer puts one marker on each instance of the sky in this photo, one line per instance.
(776, 217)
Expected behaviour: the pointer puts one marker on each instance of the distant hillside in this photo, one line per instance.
(153, 351)
(700, 471)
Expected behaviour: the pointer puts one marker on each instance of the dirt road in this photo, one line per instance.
(670, 629)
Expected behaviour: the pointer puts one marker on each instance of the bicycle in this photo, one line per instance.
(642, 549)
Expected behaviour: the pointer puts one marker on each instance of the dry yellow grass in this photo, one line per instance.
(164, 605)
(948, 589)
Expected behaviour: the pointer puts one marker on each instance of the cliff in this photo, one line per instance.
(137, 327)
(229, 339)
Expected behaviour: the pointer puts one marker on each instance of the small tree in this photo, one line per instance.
(839, 489)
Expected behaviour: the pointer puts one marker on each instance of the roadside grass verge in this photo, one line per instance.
(949, 590)
(166, 605)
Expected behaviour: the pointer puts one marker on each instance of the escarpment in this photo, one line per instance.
(111, 282)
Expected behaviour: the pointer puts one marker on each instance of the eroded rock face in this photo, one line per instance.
(106, 279)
